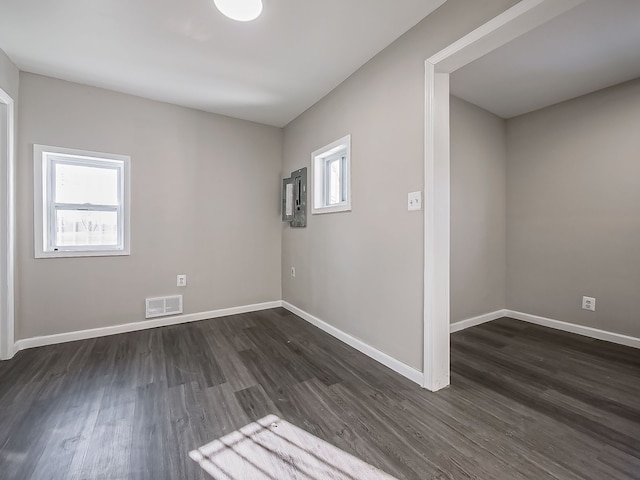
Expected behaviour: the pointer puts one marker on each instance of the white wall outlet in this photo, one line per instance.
(182, 280)
(414, 201)
(293, 272)
(589, 303)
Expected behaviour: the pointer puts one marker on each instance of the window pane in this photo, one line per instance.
(335, 183)
(83, 184)
(81, 227)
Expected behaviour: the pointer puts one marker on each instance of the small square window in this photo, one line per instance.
(81, 203)
(332, 177)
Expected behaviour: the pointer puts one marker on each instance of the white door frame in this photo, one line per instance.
(519, 19)
(7, 226)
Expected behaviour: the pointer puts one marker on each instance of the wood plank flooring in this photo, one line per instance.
(526, 402)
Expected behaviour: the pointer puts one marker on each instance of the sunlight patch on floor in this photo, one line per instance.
(274, 449)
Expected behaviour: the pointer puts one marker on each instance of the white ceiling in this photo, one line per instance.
(593, 46)
(185, 52)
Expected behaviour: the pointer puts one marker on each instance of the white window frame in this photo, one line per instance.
(320, 160)
(44, 159)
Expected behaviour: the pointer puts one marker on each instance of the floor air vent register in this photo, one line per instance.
(163, 306)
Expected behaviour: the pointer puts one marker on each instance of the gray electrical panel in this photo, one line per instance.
(294, 198)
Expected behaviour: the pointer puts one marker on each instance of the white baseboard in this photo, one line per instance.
(395, 365)
(132, 327)
(573, 328)
(480, 319)
(388, 361)
(548, 322)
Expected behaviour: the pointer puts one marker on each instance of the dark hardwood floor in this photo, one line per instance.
(525, 402)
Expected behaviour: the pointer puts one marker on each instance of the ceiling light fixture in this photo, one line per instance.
(240, 10)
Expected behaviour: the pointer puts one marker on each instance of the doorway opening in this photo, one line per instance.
(519, 19)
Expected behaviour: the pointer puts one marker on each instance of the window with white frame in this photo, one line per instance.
(331, 171)
(81, 203)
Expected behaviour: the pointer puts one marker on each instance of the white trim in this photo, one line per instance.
(381, 357)
(136, 326)
(318, 174)
(8, 230)
(44, 230)
(479, 320)
(512, 23)
(548, 322)
(573, 328)
(395, 365)
(437, 231)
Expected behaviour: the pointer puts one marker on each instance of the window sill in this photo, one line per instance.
(82, 253)
(336, 209)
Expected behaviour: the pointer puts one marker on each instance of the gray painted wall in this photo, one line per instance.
(573, 210)
(478, 211)
(205, 202)
(362, 271)
(9, 76)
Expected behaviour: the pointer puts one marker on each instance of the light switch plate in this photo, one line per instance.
(414, 201)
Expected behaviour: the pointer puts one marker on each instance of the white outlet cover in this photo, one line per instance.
(414, 201)
(589, 303)
(182, 281)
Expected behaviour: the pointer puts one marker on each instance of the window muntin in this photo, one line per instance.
(83, 203)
